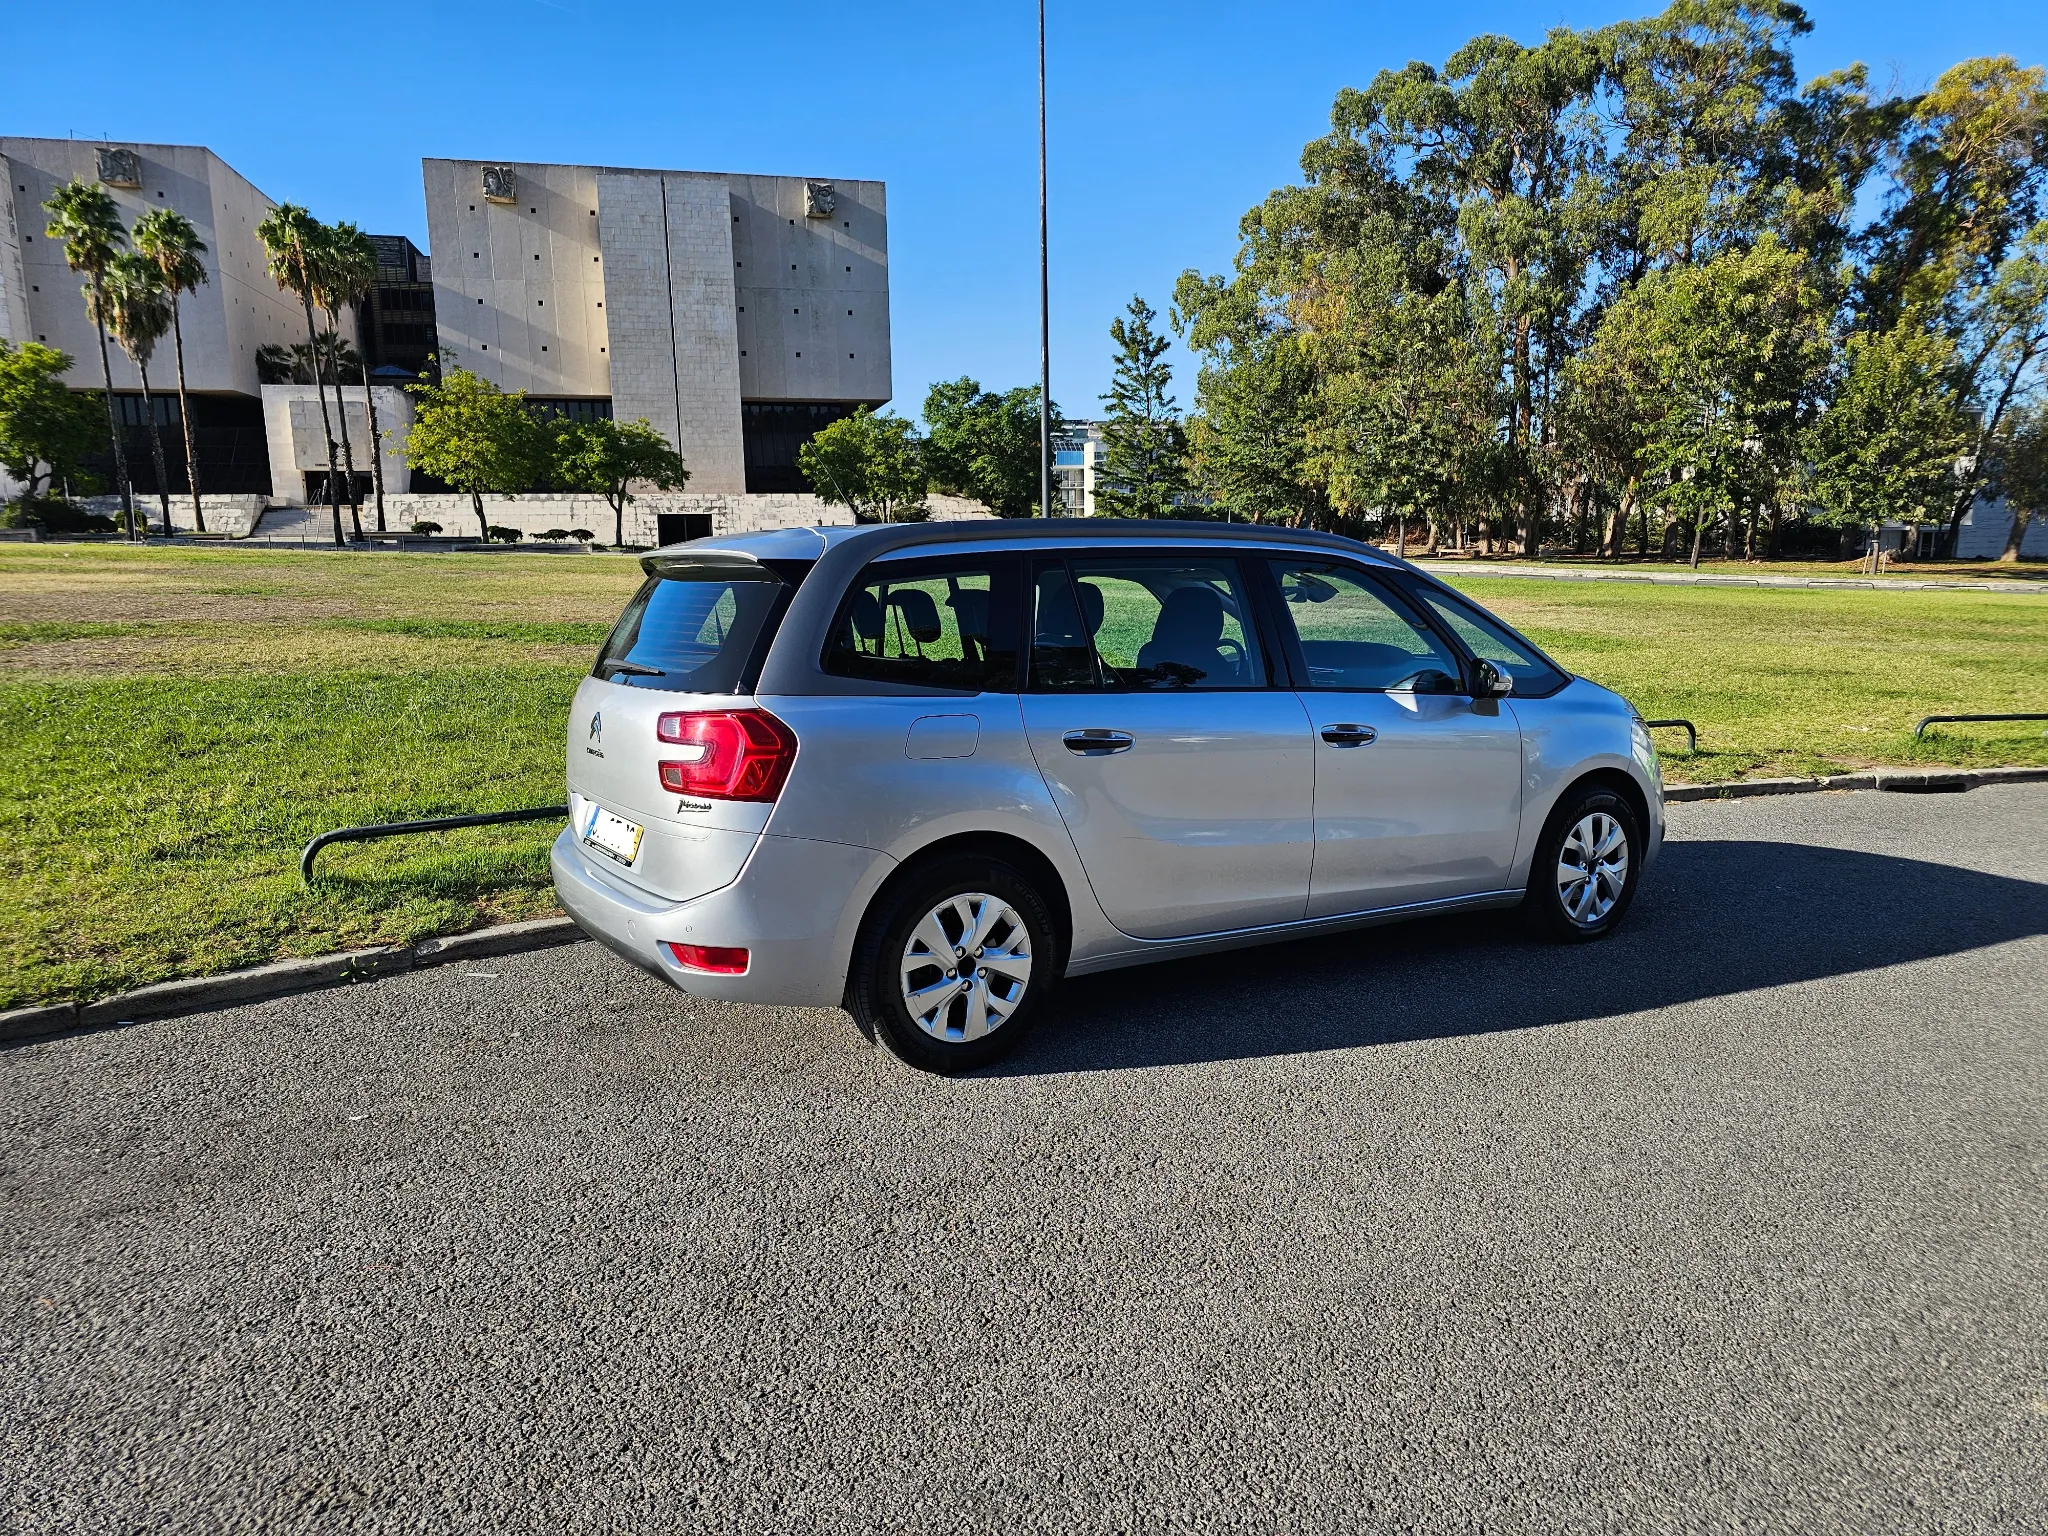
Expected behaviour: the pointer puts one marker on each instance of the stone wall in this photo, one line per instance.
(730, 512)
(233, 516)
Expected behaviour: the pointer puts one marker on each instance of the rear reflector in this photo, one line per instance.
(710, 957)
(732, 754)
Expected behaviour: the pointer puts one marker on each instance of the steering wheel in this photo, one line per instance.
(1236, 652)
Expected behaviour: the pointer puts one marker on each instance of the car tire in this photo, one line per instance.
(1586, 867)
(918, 1001)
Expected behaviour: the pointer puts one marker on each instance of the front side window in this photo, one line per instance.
(1152, 623)
(928, 624)
(693, 634)
(1355, 636)
(1533, 673)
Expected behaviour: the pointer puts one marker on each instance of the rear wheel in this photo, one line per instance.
(1586, 866)
(956, 964)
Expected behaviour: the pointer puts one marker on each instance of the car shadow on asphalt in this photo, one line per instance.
(1713, 919)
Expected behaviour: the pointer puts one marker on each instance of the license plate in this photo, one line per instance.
(613, 836)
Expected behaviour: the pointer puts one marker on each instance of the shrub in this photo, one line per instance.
(426, 528)
(553, 535)
(53, 514)
(581, 535)
(504, 535)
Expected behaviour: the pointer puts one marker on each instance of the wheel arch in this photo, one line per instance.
(1614, 779)
(1028, 859)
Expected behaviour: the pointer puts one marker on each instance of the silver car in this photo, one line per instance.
(924, 771)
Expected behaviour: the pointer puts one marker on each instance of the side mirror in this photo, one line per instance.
(1489, 682)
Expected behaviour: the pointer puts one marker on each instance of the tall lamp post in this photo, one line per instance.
(1044, 301)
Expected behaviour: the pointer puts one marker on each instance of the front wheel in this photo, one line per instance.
(956, 965)
(1586, 867)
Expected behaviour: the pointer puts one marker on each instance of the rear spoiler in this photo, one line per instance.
(685, 564)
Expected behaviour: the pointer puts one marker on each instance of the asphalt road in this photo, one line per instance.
(1734, 1223)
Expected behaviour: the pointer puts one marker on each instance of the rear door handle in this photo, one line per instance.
(1097, 743)
(1350, 735)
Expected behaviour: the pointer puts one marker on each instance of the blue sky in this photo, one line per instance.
(1167, 121)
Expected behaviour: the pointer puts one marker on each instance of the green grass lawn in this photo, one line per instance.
(177, 724)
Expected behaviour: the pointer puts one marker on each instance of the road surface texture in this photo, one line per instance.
(1733, 1223)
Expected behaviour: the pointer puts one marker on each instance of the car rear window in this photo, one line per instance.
(695, 633)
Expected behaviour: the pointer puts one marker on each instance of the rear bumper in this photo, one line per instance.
(795, 908)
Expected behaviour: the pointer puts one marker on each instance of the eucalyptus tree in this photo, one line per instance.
(167, 239)
(2020, 472)
(1505, 141)
(1961, 238)
(134, 306)
(88, 223)
(291, 240)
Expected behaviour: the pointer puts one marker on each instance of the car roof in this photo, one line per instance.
(875, 539)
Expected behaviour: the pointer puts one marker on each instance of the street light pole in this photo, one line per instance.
(1044, 301)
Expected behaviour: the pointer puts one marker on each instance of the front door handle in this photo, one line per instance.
(1350, 735)
(1097, 743)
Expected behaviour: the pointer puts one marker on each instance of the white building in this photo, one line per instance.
(736, 314)
(237, 311)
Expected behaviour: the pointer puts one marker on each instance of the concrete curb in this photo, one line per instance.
(1894, 779)
(191, 994)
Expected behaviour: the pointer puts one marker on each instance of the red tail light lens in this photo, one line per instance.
(717, 960)
(737, 754)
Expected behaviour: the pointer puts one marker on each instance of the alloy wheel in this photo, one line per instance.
(966, 967)
(1592, 868)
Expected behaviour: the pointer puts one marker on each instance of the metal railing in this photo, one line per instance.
(437, 824)
(1692, 737)
(1920, 730)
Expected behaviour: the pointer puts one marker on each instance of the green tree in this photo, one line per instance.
(606, 458)
(868, 463)
(88, 223)
(45, 428)
(1144, 445)
(985, 445)
(168, 241)
(292, 239)
(132, 305)
(1887, 444)
(478, 438)
(1714, 368)
(2019, 472)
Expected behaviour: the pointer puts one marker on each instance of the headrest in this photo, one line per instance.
(920, 614)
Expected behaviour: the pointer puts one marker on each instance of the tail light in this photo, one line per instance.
(716, 959)
(735, 754)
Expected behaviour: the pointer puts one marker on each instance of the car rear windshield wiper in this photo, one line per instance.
(632, 667)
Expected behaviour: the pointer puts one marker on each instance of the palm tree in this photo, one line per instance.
(291, 237)
(168, 239)
(133, 304)
(351, 270)
(87, 221)
(330, 278)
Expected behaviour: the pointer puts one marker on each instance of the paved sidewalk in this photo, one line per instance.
(1444, 568)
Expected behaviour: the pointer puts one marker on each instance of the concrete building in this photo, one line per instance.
(236, 312)
(736, 314)
(1076, 459)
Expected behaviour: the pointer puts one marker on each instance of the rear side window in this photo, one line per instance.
(690, 634)
(1151, 623)
(1489, 640)
(947, 624)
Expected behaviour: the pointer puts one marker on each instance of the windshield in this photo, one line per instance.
(694, 634)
